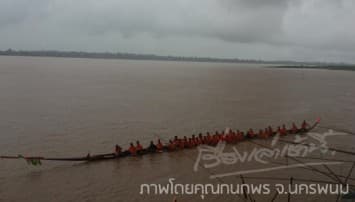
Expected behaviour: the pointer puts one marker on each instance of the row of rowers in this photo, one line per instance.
(208, 139)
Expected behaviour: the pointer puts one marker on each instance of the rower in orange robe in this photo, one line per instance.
(139, 147)
(304, 125)
(198, 141)
(233, 137)
(209, 138)
(250, 133)
(261, 134)
(171, 146)
(215, 139)
(228, 138)
(294, 128)
(239, 136)
(205, 140)
(181, 144)
(190, 143)
(201, 139)
(132, 150)
(283, 130)
(267, 132)
(194, 140)
(222, 136)
(271, 132)
(216, 134)
(185, 142)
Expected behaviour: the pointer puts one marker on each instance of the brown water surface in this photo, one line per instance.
(63, 107)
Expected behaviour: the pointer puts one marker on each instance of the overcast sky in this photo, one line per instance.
(303, 30)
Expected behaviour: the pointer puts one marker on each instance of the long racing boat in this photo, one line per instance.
(36, 160)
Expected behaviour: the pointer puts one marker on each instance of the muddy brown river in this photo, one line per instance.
(64, 107)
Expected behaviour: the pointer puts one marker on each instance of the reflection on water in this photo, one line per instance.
(68, 107)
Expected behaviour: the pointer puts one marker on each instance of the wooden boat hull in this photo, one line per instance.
(108, 156)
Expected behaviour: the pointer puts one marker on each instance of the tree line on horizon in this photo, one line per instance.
(133, 56)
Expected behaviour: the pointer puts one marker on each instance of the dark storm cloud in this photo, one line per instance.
(173, 26)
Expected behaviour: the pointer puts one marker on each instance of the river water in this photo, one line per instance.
(64, 107)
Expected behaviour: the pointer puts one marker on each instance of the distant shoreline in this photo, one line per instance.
(325, 67)
(133, 56)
